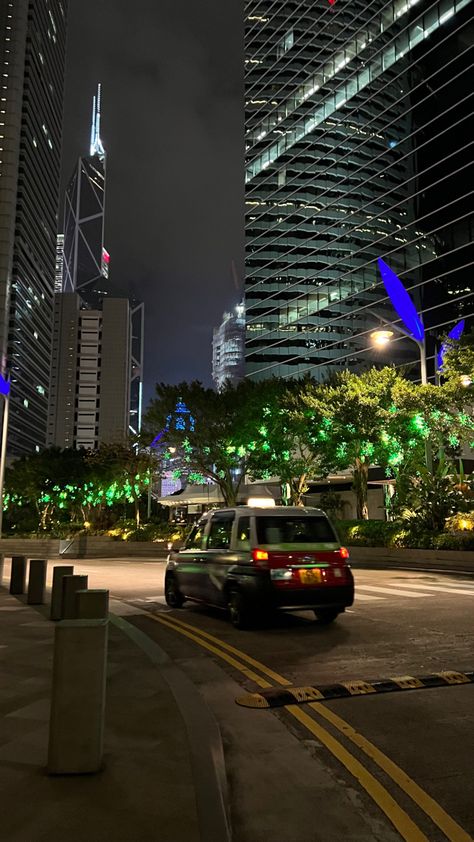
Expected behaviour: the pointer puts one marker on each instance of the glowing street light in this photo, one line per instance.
(381, 337)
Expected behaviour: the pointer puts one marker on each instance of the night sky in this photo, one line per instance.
(172, 117)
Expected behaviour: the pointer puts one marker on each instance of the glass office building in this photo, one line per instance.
(86, 261)
(359, 133)
(32, 55)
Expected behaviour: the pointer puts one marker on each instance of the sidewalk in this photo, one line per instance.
(146, 789)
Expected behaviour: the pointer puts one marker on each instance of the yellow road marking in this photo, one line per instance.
(433, 810)
(401, 820)
(453, 831)
(242, 655)
(230, 660)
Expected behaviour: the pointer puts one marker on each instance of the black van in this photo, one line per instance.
(250, 560)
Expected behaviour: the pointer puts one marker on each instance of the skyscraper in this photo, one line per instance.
(359, 118)
(97, 361)
(86, 261)
(32, 56)
(90, 377)
(228, 348)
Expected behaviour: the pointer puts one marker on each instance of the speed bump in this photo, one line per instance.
(278, 697)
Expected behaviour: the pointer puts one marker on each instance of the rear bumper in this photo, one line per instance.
(326, 597)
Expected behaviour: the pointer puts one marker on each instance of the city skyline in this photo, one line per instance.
(174, 169)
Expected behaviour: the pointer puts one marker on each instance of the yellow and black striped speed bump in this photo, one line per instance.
(279, 697)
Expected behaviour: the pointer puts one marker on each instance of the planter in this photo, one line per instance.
(82, 546)
(457, 561)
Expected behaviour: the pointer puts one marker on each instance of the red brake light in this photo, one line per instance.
(344, 552)
(260, 557)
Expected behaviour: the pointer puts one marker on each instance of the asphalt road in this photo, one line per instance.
(402, 623)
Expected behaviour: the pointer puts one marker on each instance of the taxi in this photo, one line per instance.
(251, 560)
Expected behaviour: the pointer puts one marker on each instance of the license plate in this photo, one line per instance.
(310, 577)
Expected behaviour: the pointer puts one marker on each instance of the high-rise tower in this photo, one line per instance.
(85, 268)
(32, 56)
(358, 120)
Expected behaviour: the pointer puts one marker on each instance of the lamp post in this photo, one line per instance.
(5, 393)
(381, 338)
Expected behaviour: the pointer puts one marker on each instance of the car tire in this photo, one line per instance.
(326, 615)
(240, 614)
(173, 596)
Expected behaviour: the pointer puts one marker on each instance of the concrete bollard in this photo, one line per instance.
(18, 574)
(36, 581)
(2, 561)
(57, 589)
(76, 725)
(92, 604)
(71, 584)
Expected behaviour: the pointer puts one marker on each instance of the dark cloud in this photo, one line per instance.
(172, 126)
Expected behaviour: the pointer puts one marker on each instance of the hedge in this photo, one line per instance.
(380, 533)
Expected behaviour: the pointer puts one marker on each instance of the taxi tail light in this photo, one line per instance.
(260, 557)
(344, 552)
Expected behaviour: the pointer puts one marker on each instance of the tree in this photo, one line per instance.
(284, 443)
(51, 481)
(214, 433)
(458, 364)
(355, 423)
(117, 472)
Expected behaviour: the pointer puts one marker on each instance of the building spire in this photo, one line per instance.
(96, 147)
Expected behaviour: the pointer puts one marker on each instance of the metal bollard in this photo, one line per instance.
(78, 697)
(92, 604)
(57, 589)
(71, 584)
(2, 561)
(36, 581)
(18, 574)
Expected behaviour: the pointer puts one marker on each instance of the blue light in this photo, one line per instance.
(393, 143)
(402, 302)
(4, 386)
(454, 334)
(157, 438)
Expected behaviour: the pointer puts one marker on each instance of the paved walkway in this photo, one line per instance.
(146, 789)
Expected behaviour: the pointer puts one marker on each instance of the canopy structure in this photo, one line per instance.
(210, 495)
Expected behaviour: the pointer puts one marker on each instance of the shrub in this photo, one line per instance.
(366, 533)
(460, 522)
(454, 541)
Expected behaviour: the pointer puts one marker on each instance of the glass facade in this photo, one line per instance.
(228, 348)
(359, 126)
(32, 54)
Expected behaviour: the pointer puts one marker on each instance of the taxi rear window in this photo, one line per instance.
(277, 531)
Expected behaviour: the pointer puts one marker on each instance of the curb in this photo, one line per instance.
(205, 741)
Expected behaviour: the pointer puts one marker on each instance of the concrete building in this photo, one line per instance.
(32, 56)
(90, 377)
(357, 120)
(228, 348)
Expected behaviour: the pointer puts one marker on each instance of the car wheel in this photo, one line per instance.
(326, 615)
(174, 597)
(240, 615)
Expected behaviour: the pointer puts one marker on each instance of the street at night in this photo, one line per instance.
(402, 623)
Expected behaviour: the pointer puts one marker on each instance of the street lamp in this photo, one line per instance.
(413, 323)
(5, 393)
(381, 337)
